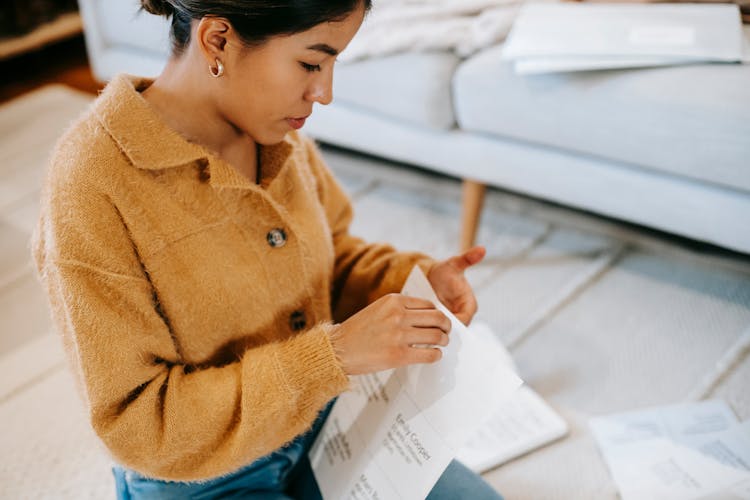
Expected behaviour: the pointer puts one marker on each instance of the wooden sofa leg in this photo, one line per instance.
(473, 198)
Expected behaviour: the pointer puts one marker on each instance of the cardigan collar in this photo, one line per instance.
(150, 144)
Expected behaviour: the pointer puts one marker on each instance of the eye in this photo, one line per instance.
(310, 67)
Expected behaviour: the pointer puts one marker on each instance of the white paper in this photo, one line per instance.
(540, 65)
(523, 423)
(651, 35)
(693, 451)
(394, 434)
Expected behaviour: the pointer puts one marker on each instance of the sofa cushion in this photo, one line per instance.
(692, 121)
(413, 87)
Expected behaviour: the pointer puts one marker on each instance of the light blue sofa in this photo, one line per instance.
(668, 148)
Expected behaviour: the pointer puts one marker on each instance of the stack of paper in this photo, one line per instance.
(574, 37)
(685, 452)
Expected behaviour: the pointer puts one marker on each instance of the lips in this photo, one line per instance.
(297, 123)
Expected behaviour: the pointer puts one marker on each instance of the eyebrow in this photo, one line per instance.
(324, 47)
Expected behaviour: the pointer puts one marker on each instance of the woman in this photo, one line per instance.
(196, 254)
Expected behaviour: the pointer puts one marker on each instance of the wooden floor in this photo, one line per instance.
(64, 62)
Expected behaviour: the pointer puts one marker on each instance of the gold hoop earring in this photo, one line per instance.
(219, 69)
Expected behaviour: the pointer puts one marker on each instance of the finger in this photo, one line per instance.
(416, 303)
(466, 315)
(424, 355)
(464, 318)
(430, 319)
(467, 311)
(422, 337)
(469, 258)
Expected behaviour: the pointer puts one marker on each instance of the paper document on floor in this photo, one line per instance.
(523, 423)
(691, 451)
(395, 433)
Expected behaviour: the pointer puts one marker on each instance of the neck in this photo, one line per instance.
(188, 109)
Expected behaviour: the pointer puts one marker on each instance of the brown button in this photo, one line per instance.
(297, 320)
(276, 238)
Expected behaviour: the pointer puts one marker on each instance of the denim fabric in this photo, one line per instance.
(283, 474)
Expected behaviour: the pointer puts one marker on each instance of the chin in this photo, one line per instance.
(270, 137)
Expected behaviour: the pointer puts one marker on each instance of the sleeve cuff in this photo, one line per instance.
(310, 369)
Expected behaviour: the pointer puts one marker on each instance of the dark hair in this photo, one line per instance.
(255, 20)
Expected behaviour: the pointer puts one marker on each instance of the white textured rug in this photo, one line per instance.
(599, 317)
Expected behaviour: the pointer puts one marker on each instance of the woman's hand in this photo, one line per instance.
(383, 335)
(450, 284)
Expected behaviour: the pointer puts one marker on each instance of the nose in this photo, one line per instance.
(321, 88)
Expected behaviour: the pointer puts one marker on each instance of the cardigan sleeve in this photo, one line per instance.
(363, 272)
(155, 414)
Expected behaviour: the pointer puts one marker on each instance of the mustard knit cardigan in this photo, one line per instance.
(195, 305)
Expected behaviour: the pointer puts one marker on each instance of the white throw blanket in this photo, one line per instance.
(462, 26)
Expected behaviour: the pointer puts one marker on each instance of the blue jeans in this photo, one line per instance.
(283, 474)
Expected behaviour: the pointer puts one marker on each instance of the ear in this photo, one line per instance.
(212, 35)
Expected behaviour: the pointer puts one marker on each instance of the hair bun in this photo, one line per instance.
(158, 7)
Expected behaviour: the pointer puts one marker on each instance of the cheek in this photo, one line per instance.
(258, 102)
(285, 82)
(276, 102)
